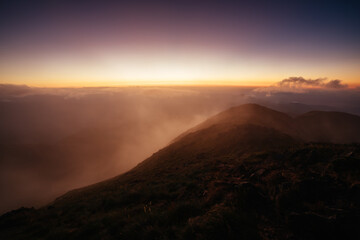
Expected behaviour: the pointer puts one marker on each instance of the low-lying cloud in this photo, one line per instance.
(55, 139)
(10, 90)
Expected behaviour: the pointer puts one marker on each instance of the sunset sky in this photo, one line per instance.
(107, 43)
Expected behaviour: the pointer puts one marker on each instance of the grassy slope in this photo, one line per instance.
(243, 182)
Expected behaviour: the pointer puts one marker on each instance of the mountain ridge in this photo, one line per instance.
(227, 179)
(293, 126)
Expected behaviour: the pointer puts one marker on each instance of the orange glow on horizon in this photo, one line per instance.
(153, 45)
(166, 69)
(214, 83)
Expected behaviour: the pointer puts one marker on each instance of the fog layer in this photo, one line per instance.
(54, 140)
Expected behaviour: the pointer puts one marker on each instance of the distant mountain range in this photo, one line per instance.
(314, 126)
(249, 172)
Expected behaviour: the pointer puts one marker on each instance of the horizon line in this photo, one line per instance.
(350, 86)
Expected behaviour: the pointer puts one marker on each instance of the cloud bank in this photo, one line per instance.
(55, 139)
(300, 84)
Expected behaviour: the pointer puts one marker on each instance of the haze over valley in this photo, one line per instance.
(54, 140)
(180, 120)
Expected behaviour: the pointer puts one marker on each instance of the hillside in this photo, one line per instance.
(333, 127)
(247, 173)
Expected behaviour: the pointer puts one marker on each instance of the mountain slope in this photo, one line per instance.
(333, 127)
(225, 179)
(249, 114)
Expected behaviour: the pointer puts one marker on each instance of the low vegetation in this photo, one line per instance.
(247, 182)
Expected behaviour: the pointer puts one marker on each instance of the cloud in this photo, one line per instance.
(301, 85)
(301, 82)
(7, 90)
(335, 84)
(65, 138)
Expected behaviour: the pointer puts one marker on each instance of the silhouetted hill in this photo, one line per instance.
(316, 126)
(249, 114)
(246, 173)
(333, 127)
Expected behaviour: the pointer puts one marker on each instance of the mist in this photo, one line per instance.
(53, 140)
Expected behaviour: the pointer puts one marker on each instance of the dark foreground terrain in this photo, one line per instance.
(247, 173)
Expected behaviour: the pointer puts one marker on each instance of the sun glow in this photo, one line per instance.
(117, 68)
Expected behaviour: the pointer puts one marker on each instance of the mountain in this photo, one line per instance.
(249, 114)
(333, 127)
(315, 126)
(247, 173)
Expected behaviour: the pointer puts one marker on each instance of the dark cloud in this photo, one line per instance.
(336, 84)
(300, 82)
(301, 85)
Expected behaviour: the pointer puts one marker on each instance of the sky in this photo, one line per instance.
(61, 43)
